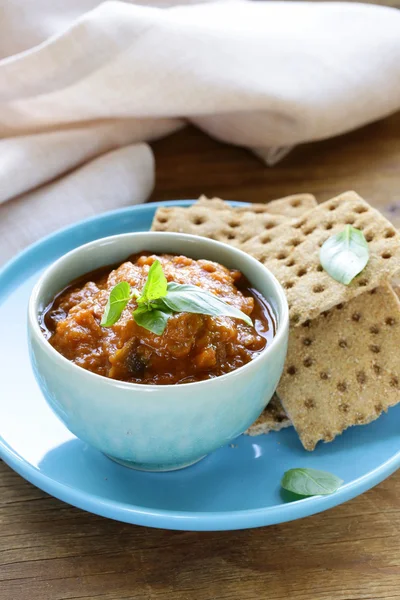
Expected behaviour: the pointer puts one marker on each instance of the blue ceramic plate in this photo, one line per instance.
(234, 488)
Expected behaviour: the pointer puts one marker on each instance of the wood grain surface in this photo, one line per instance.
(51, 551)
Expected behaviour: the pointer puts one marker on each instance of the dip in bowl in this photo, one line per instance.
(157, 401)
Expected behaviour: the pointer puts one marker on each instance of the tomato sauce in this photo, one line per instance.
(192, 348)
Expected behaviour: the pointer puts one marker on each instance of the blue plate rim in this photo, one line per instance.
(189, 521)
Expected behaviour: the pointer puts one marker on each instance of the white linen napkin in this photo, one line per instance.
(80, 93)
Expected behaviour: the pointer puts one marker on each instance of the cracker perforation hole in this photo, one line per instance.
(328, 226)
(390, 233)
(369, 236)
(363, 282)
(318, 289)
(295, 318)
(269, 225)
(320, 268)
(390, 321)
(299, 224)
(309, 230)
(309, 403)
(282, 255)
(360, 419)
(332, 206)
(234, 224)
(350, 220)
(324, 375)
(386, 254)
(377, 369)
(307, 323)
(198, 220)
(342, 343)
(288, 285)
(342, 386)
(374, 329)
(308, 361)
(294, 242)
(291, 262)
(361, 377)
(162, 219)
(295, 203)
(266, 239)
(356, 317)
(394, 381)
(375, 349)
(301, 272)
(360, 209)
(307, 341)
(291, 370)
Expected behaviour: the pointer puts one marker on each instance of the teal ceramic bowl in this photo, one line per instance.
(150, 427)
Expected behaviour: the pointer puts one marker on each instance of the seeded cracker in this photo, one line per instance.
(291, 252)
(273, 418)
(343, 368)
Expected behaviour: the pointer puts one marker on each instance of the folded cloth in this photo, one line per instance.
(80, 93)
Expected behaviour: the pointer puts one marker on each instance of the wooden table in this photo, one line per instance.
(51, 551)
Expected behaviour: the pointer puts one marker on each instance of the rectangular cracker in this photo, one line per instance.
(343, 368)
(223, 225)
(291, 252)
(215, 219)
(273, 418)
(291, 206)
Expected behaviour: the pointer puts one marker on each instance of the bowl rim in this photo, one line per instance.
(33, 312)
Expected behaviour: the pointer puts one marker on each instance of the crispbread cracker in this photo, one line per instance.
(290, 206)
(291, 252)
(222, 225)
(343, 368)
(273, 418)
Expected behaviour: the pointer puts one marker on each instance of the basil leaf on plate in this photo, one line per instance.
(192, 299)
(154, 320)
(117, 300)
(345, 255)
(310, 482)
(156, 284)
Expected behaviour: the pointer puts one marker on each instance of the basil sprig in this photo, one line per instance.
(159, 300)
(310, 482)
(345, 255)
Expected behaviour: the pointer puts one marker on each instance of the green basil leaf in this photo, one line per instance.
(345, 255)
(310, 482)
(153, 320)
(192, 299)
(117, 300)
(156, 284)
